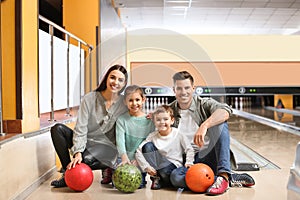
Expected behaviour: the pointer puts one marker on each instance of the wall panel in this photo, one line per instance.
(218, 73)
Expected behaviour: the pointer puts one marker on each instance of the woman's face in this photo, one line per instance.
(115, 81)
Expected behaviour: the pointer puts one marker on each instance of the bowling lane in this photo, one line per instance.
(287, 116)
(274, 144)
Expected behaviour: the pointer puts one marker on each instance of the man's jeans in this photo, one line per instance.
(217, 155)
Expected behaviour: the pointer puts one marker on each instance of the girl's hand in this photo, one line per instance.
(149, 116)
(125, 160)
(76, 160)
(151, 171)
(134, 162)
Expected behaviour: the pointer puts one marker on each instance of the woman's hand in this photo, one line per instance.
(76, 160)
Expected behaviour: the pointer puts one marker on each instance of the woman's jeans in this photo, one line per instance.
(162, 165)
(62, 138)
(217, 155)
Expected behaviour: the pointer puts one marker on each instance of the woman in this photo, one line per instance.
(93, 139)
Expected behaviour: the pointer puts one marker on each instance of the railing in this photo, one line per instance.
(68, 35)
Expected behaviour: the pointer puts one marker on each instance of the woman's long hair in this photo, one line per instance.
(103, 85)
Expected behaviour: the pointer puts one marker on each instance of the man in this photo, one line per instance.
(203, 120)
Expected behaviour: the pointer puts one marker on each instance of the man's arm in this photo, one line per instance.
(217, 117)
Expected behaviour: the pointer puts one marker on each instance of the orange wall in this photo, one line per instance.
(286, 100)
(81, 19)
(30, 121)
(219, 73)
(259, 60)
(29, 64)
(8, 59)
(260, 73)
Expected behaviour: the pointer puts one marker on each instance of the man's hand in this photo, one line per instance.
(200, 135)
(151, 171)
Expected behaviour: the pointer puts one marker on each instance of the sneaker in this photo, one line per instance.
(155, 183)
(241, 180)
(59, 183)
(219, 187)
(144, 182)
(106, 176)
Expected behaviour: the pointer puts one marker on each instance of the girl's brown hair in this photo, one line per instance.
(132, 89)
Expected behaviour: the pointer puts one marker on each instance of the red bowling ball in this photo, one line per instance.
(79, 178)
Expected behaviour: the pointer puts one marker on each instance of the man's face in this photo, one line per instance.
(184, 93)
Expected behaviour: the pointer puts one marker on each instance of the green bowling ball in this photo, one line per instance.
(127, 178)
